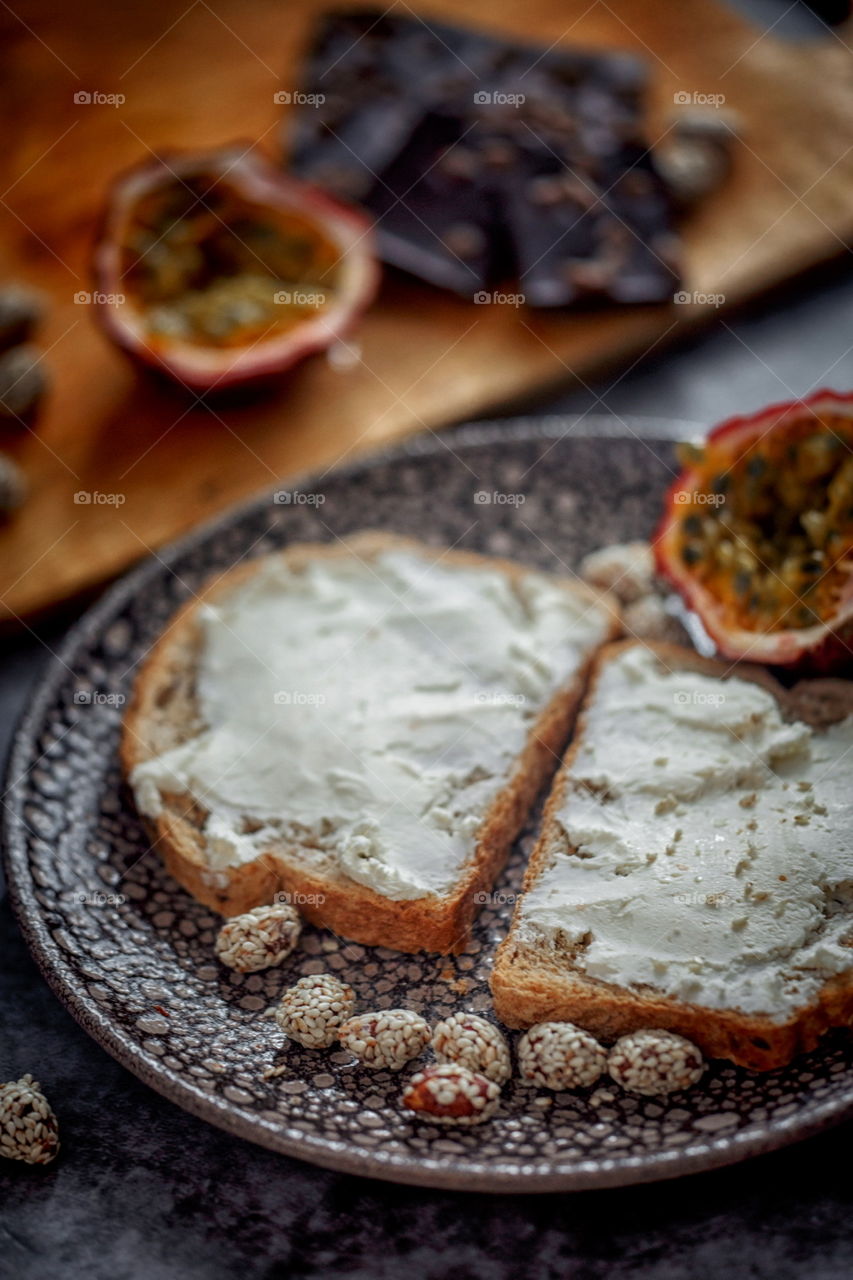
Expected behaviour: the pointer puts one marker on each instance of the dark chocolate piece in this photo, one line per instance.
(480, 158)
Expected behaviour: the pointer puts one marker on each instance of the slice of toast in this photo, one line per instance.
(695, 866)
(361, 726)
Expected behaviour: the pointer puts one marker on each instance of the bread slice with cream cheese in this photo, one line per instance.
(694, 869)
(362, 726)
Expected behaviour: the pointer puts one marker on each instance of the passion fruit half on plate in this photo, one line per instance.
(220, 270)
(757, 535)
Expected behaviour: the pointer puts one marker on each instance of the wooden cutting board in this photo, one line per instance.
(206, 74)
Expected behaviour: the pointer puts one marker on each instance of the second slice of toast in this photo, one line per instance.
(695, 866)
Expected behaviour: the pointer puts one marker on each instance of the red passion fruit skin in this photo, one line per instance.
(203, 368)
(822, 649)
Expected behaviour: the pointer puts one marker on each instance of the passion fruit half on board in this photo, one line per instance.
(220, 270)
(757, 534)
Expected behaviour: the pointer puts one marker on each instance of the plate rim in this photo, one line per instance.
(708, 1153)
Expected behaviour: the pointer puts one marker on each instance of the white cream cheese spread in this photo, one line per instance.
(714, 843)
(369, 711)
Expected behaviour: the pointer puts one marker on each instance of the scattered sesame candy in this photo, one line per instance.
(451, 1094)
(652, 1062)
(259, 939)
(28, 1128)
(559, 1055)
(625, 568)
(312, 1011)
(387, 1039)
(648, 619)
(475, 1043)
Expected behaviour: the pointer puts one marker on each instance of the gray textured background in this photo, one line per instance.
(145, 1191)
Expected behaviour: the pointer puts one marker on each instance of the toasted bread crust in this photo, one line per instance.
(350, 909)
(529, 987)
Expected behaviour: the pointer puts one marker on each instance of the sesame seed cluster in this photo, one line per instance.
(260, 938)
(472, 1055)
(451, 1094)
(473, 1058)
(28, 1127)
(475, 1043)
(655, 1062)
(312, 1011)
(627, 570)
(463, 1087)
(388, 1039)
(559, 1055)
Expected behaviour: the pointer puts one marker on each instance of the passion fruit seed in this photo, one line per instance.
(231, 311)
(211, 272)
(230, 270)
(780, 531)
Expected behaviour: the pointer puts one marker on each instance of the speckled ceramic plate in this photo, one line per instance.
(132, 955)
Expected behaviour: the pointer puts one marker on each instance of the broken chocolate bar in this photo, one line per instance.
(482, 159)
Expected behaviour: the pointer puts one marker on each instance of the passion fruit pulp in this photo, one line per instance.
(757, 534)
(220, 270)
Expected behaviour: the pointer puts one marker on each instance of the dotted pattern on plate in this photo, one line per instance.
(133, 954)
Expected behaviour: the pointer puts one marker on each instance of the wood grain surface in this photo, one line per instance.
(204, 74)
